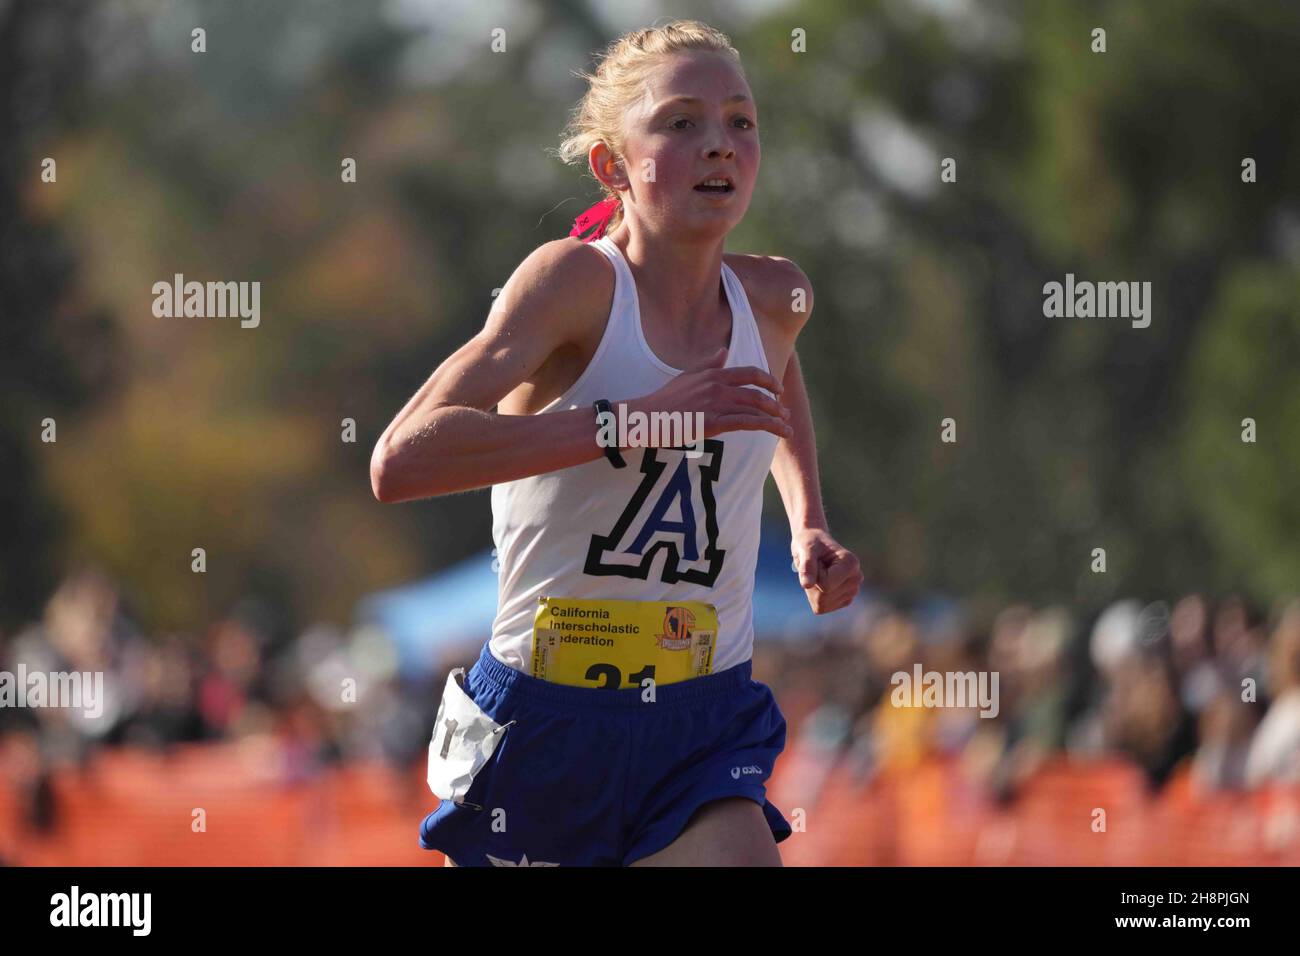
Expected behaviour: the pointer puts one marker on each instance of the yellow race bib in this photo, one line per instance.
(589, 642)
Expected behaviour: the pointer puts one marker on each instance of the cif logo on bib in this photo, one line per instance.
(676, 635)
(668, 485)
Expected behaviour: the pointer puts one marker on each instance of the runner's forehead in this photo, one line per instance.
(676, 88)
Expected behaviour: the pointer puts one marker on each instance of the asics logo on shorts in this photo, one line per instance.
(737, 771)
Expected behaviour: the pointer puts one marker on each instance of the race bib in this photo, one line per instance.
(463, 739)
(589, 642)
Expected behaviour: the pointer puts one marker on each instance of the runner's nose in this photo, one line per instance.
(721, 147)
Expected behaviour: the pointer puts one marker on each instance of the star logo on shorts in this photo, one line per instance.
(497, 861)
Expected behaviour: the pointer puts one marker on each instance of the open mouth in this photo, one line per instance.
(716, 184)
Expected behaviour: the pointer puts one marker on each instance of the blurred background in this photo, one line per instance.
(1121, 690)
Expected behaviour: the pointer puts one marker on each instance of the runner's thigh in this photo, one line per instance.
(727, 832)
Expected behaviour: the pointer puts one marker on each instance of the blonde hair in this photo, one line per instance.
(618, 83)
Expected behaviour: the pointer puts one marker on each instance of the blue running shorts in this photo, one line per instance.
(583, 776)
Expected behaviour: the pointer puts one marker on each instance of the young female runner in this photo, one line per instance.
(611, 718)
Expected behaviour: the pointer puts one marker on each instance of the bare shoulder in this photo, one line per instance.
(779, 292)
(781, 299)
(549, 318)
(561, 282)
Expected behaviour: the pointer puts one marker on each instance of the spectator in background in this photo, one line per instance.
(889, 738)
(1025, 650)
(946, 648)
(1144, 717)
(234, 656)
(1137, 710)
(1274, 755)
(1225, 727)
(82, 629)
(1112, 643)
(817, 728)
(164, 678)
(1199, 681)
(1239, 646)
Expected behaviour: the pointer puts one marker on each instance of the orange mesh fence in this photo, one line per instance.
(1066, 814)
(226, 805)
(219, 805)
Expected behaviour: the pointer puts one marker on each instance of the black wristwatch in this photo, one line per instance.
(611, 451)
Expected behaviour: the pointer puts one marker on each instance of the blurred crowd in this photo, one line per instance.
(1210, 684)
(324, 696)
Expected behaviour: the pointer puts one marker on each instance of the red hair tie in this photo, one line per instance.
(598, 215)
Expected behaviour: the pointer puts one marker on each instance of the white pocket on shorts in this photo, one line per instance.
(463, 740)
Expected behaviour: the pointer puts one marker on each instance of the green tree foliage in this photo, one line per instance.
(57, 351)
(1071, 434)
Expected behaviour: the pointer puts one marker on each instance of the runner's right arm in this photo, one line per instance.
(445, 439)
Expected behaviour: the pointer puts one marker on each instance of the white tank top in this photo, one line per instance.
(664, 528)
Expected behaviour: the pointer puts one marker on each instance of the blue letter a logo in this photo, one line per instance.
(645, 528)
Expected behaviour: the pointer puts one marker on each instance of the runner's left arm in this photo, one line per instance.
(829, 573)
(794, 466)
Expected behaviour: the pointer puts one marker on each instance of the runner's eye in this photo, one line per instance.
(673, 124)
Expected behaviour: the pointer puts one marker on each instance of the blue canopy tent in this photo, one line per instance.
(456, 606)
